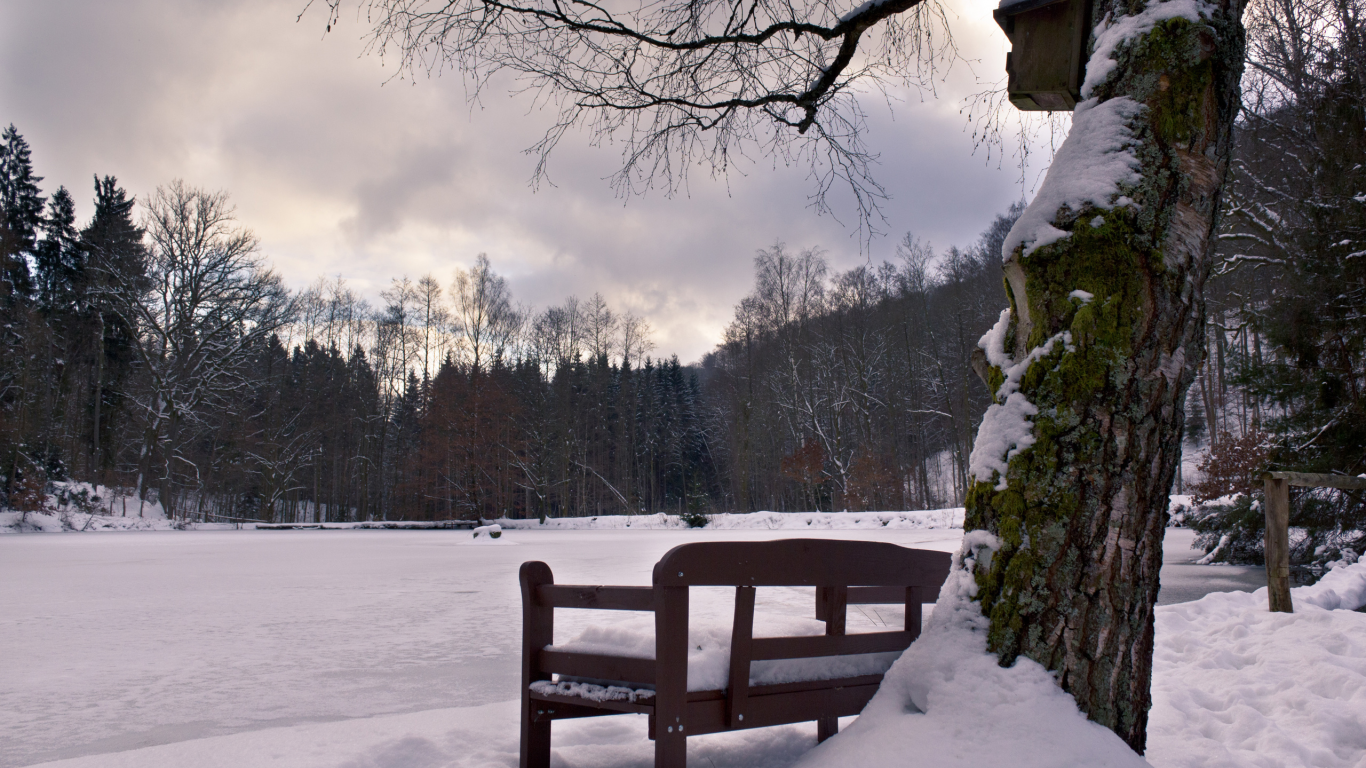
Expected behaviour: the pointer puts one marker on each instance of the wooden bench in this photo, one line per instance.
(843, 572)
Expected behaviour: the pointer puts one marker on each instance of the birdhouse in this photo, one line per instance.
(1047, 61)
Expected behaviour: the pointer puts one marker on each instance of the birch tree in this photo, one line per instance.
(1090, 365)
(485, 316)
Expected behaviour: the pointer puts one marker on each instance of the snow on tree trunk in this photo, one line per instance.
(1089, 367)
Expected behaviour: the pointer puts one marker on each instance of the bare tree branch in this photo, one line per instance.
(683, 82)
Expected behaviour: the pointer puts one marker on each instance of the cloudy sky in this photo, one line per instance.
(343, 171)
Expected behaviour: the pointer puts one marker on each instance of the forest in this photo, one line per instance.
(153, 349)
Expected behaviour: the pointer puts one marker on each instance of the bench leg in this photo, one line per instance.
(671, 677)
(535, 739)
(826, 727)
(671, 750)
(538, 631)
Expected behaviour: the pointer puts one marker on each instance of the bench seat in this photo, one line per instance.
(709, 653)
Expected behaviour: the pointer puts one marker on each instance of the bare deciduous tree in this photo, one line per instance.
(557, 334)
(436, 318)
(207, 299)
(635, 339)
(602, 326)
(485, 316)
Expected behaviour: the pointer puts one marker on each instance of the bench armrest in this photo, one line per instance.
(596, 597)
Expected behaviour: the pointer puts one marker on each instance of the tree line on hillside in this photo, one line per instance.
(855, 391)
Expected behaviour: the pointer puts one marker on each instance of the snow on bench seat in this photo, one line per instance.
(709, 652)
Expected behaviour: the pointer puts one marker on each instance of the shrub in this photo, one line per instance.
(1324, 528)
(1235, 530)
(1233, 465)
(694, 518)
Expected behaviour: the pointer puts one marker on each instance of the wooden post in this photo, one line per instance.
(1278, 526)
(741, 637)
(1277, 547)
(671, 677)
(836, 601)
(914, 600)
(538, 631)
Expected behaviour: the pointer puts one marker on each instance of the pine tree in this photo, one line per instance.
(58, 258)
(113, 254)
(22, 205)
(113, 241)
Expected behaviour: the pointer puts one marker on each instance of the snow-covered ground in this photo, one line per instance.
(398, 648)
(1237, 685)
(113, 641)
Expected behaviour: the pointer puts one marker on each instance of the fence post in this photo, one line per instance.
(1277, 542)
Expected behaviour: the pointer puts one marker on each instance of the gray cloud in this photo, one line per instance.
(342, 170)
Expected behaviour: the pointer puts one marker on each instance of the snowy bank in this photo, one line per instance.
(948, 702)
(1233, 685)
(54, 522)
(73, 506)
(58, 522)
(767, 521)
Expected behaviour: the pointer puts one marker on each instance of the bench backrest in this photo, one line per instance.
(800, 563)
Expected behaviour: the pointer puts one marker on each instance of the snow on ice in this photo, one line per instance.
(347, 649)
(115, 641)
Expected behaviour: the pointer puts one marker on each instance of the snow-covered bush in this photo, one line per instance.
(1229, 517)
(78, 497)
(694, 518)
(1230, 529)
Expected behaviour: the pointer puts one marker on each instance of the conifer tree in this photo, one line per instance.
(113, 241)
(113, 255)
(58, 257)
(22, 204)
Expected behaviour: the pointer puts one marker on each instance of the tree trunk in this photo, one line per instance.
(96, 456)
(1082, 506)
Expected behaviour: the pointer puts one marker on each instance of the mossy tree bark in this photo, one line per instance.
(1081, 513)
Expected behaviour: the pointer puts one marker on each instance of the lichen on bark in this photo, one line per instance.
(1083, 510)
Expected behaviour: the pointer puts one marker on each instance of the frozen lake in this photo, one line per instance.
(115, 641)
